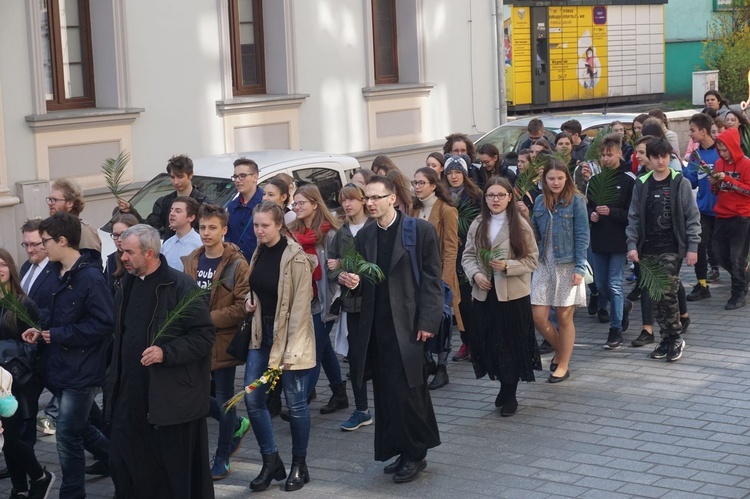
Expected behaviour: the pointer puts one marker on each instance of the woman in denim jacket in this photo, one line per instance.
(561, 228)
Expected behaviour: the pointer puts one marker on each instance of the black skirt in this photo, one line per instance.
(502, 341)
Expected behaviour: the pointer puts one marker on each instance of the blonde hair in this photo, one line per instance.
(71, 191)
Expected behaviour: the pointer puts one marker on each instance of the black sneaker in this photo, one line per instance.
(594, 303)
(676, 346)
(545, 348)
(699, 292)
(41, 488)
(602, 315)
(735, 302)
(661, 351)
(627, 307)
(614, 339)
(635, 293)
(713, 276)
(645, 338)
(685, 323)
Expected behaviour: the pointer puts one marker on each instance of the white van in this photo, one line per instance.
(212, 176)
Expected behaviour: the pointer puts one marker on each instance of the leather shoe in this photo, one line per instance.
(558, 379)
(395, 465)
(409, 471)
(100, 468)
(509, 408)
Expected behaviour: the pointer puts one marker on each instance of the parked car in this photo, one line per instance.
(212, 174)
(509, 137)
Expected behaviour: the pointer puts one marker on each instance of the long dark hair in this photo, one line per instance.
(470, 188)
(14, 284)
(515, 219)
(401, 186)
(440, 190)
(569, 189)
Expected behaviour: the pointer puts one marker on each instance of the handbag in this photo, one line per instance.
(588, 273)
(240, 343)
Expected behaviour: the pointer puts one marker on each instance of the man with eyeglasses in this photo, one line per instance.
(180, 170)
(38, 281)
(398, 315)
(66, 196)
(240, 228)
(76, 336)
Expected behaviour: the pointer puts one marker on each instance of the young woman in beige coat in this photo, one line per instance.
(500, 255)
(282, 336)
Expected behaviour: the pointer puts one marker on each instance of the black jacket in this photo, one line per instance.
(414, 307)
(159, 217)
(179, 388)
(608, 234)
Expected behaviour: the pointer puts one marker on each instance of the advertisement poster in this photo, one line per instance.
(578, 53)
(518, 72)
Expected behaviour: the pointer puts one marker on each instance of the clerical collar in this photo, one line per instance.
(395, 216)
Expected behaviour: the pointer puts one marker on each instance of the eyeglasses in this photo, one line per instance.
(46, 240)
(375, 198)
(241, 176)
(115, 236)
(419, 183)
(31, 245)
(495, 197)
(53, 200)
(299, 203)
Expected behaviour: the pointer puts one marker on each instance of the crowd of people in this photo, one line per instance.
(500, 248)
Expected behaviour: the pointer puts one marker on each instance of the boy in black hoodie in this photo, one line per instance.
(608, 213)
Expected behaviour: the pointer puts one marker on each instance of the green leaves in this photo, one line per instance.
(653, 278)
(113, 170)
(12, 304)
(467, 212)
(745, 139)
(595, 149)
(185, 308)
(528, 179)
(354, 263)
(602, 188)
(487, 255)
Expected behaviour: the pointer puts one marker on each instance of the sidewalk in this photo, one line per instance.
(622, 426)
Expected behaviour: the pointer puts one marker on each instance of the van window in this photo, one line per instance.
(328, 181)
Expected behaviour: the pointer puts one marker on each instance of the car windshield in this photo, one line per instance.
(509, 138)
(219, 190)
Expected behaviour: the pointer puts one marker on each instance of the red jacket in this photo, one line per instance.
(734, 190)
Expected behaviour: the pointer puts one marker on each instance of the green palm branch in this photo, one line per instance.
(467, 212)
(185, 308)
(353, 262)
(11, 303)
(602, 188)
(528, 179)
(595, 149)
(113, 170)
(695, 159)
(653, 278)
(745, 139)
(487, 255)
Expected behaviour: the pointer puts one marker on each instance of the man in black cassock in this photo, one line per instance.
(158, 387)
(398, 315)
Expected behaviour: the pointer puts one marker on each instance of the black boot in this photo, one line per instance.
(274, 401)
(339, 399)
(440, 379)
(298, 475)
(273, 469)
(510, 404)
(502, 395)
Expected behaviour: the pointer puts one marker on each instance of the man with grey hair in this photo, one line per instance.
(158, 385)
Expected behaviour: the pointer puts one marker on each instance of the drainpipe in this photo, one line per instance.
(503, 101)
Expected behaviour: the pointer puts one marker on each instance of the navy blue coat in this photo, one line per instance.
(81, 327)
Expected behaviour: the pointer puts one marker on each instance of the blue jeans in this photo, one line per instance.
(294, 384)
(608, 277)
(224, 387)
(74, 434)
(324, 355)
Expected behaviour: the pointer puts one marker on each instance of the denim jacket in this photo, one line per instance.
(570, 230)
